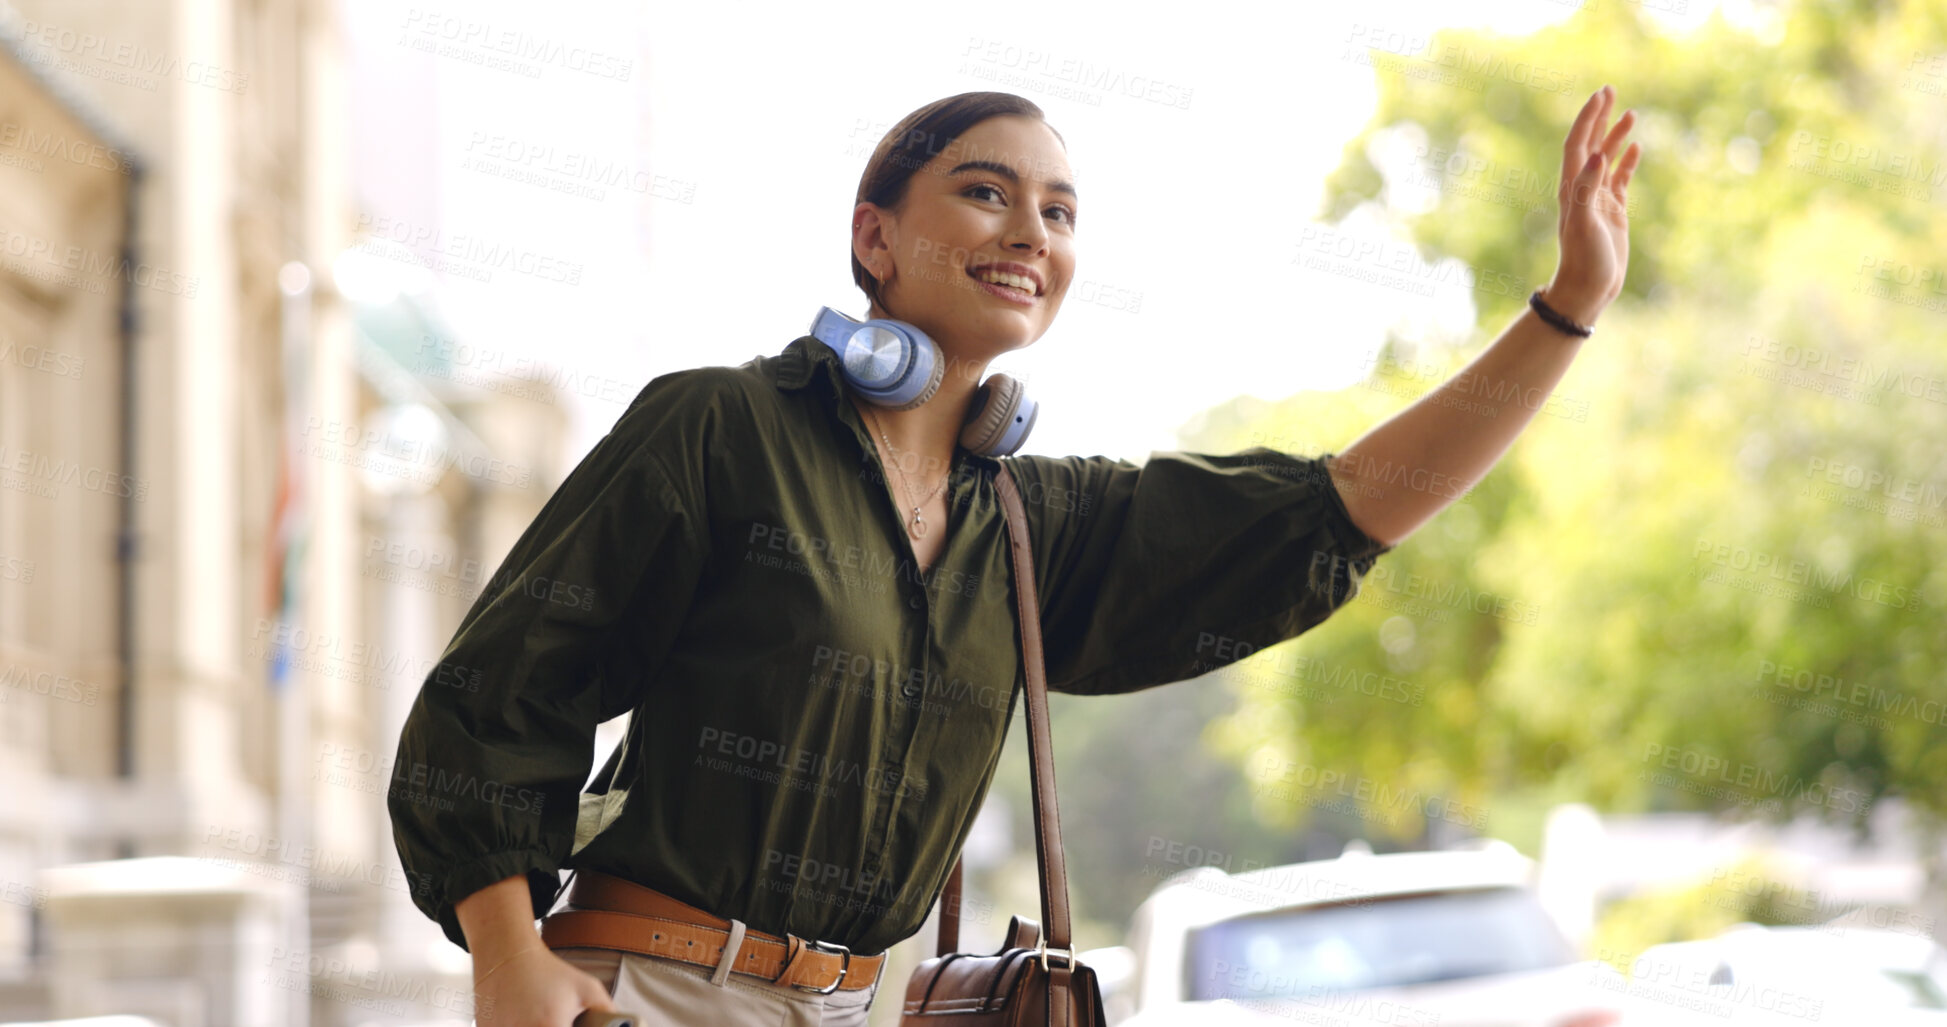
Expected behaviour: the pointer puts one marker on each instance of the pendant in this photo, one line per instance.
(918, 527)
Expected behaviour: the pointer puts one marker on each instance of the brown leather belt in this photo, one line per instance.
(605, 911)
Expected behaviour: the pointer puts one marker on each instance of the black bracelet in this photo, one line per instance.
(1549, 315)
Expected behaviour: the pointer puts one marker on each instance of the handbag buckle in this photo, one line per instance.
(1041, 951)
(843, 967)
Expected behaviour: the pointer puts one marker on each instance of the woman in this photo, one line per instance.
(804, 597)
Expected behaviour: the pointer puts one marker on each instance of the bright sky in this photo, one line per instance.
(750, 125)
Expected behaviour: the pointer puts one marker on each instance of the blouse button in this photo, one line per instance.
(913, 601)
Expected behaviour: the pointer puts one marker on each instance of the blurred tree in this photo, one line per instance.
(1695, 910)
(1712, 572)
(1147, 797)
(1721, 544)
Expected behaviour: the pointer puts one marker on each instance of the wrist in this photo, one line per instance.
(1579, 309)
(501, 942)
(501, 948)
(498, 920)
(484, 968)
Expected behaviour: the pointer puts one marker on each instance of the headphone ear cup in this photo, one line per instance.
(932, 381)
(993, 408)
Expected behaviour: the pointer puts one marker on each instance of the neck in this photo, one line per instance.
(930, 431)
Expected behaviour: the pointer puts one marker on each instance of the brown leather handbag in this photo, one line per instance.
(1032, 980)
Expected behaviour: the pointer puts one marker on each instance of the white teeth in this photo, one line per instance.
(1022, 282)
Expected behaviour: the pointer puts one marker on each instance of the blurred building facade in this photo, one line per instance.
(241, 514)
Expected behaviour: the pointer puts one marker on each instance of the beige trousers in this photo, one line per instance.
(668, 993)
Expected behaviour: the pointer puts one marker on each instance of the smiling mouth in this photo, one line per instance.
(1016, 286)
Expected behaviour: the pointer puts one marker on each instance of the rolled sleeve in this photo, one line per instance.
(1165, 571)
(500, 739)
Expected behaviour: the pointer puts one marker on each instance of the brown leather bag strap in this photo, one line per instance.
(950, 913)
(1041, 756)
(1041, 760)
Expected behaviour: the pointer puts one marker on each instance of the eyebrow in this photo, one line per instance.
(1008, 173)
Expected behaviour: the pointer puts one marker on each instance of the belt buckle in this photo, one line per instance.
(843, 968)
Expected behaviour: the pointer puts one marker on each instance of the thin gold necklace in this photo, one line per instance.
(917, 527)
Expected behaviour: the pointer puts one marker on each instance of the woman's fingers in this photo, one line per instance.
(1578, 146)
(1619, 181)
(1612, 143)
(1572, 151)
(1585, 190)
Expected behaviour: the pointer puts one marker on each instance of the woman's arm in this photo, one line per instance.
(498, 921)
(517, 980)
(1398, 475)
(500, 740)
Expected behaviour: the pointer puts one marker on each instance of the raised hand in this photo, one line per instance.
(1593, 198)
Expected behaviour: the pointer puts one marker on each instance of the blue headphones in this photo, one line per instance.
(895, 365)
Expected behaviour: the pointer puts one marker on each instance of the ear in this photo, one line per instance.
(873, 231)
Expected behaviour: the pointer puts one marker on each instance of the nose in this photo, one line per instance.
(1026, 232)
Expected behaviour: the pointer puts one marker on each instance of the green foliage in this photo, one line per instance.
(1157, 800)
(1710, 510)
(1694, 910)
(1753, 891)
(1560, 626)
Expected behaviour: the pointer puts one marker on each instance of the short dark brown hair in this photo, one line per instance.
(917, 139)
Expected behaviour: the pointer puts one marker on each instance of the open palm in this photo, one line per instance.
(1594, 227)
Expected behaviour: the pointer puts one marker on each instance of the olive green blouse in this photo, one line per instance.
(815, 722)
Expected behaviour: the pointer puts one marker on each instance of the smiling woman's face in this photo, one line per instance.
(997, 203)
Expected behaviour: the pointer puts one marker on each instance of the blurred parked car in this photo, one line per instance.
(1831, 974)
(1420, 939)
